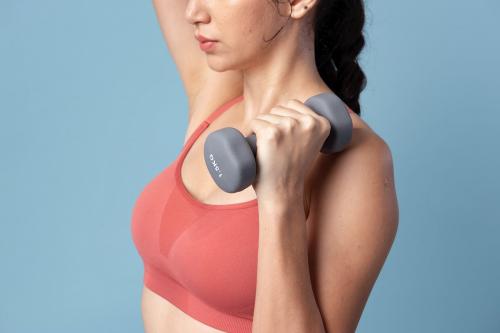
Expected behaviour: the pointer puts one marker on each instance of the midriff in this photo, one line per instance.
(161, 316)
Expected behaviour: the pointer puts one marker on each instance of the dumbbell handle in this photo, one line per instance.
(252, 142)
(331, 107)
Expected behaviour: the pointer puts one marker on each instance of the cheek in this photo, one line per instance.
(252, 30)
(245, 20)
(243, 25)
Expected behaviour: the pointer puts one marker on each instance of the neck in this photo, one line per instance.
(290, 74)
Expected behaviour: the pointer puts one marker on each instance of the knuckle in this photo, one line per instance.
(272, 133)
(290, 123)
(325, 123)
(275, 108)
(309, 122)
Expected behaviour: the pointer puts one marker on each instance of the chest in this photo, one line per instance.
(199, 184)
(210, 254)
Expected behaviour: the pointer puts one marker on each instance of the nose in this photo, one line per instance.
(196, 12)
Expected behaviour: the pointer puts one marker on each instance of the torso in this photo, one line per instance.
(159, 315)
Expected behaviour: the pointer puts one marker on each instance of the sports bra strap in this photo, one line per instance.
(223, 108)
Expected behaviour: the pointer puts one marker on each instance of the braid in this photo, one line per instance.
(338, 30)
(338, 27)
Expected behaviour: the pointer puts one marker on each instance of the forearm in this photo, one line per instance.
(284, 296)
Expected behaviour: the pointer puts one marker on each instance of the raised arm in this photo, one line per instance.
(205, 88)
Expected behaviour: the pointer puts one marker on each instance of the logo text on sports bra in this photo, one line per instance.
(215, 165)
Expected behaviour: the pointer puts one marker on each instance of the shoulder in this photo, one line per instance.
(368, 155)
(359, 179)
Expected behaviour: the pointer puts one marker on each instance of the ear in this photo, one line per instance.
(301, 7)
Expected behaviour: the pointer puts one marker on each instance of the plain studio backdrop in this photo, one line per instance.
(92, 107)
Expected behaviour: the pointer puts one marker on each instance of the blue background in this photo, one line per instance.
(92, 107)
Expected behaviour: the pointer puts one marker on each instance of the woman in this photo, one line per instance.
(300, 250)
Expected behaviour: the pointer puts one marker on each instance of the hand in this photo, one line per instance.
(289, 138)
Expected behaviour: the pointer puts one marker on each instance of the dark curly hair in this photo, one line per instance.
(338, 40)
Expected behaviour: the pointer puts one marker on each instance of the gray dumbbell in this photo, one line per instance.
(230, 157)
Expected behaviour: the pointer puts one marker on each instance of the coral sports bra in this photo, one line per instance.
(200, 257)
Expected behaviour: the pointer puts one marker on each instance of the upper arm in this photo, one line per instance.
(205, 88)
(182, 46)
(354, 216)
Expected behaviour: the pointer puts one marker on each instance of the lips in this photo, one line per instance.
(203, 39)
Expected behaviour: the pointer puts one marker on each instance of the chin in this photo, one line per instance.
(219, 65)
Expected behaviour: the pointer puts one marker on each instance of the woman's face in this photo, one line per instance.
(239, 27)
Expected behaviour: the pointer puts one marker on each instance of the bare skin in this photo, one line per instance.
(237, 66)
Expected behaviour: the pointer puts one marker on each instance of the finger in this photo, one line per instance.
(257, 125)
(299, 116)
(301, 108)
(286, 112)
(297, 105)
(267, 124)
(271, 118)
